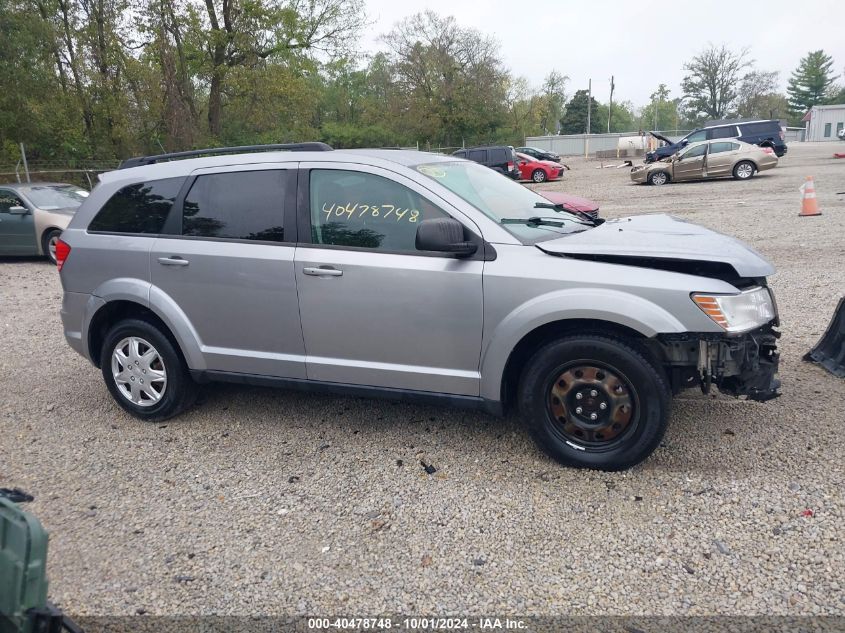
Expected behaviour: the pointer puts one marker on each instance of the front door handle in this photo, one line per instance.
(322, 271)
(175, 260)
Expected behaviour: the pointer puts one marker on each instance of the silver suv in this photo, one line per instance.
(408, 275)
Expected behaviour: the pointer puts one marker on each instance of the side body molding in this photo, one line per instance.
(599, 304)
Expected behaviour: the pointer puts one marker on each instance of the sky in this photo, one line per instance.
(642, 43)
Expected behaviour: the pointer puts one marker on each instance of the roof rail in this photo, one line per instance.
(242, 149)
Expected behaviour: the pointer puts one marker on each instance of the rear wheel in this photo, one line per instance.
(538, 175)
(743, 170)
(594, 402)
(144, 373)
(48, 244)
(659, 178)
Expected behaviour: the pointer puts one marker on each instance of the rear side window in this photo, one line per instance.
(241, 205)
(138, 208)
(766, 127)
(723, 132)
(499, 156)
(717, 148)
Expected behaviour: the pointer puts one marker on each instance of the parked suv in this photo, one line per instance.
(762, 133)
(413, 276)
(501, 158)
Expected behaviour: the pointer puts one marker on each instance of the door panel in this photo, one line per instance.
(688, 168)
(392, 320)
(241, 300)
(720, 159)
(17, 232)
(374, 310)
(232, 274)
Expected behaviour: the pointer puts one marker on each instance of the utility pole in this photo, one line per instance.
(587, 133)
(610, 107)
(25, 166)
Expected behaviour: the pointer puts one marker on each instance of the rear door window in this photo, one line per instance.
(498, 156)
(139, 208)
(240, 205)
(723, 132)
(478, 155)
(717, 148)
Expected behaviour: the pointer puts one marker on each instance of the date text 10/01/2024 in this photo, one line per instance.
(416, 624)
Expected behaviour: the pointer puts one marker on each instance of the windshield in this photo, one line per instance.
(498, 197)
(49, 197)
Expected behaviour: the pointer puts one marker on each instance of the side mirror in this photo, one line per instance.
(684, 143)
(444, 235)
(18, 210)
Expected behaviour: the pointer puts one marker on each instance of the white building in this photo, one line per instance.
(824, 122)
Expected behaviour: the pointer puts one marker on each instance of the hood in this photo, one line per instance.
(660, 137)
(664, 237)
(69, 211)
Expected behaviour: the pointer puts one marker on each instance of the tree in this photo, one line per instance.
(554, 99)
(451, 79)
(758, 96)
(661, 113)
(574, 119)
(810, 82)
(712, 80)
(622, 119)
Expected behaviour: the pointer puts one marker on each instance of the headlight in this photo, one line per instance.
(738, 313)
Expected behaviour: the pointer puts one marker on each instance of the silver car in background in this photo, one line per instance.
(408, 275)
(33, 215)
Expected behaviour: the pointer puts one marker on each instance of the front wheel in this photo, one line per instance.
(538, 175)
(744, 170)
(594, 402)
(659, 178)
(144, 372)
(48, 244)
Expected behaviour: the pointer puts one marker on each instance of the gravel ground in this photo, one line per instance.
(275, 502)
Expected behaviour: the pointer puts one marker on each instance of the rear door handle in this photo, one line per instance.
(322, 271)
(174, 260)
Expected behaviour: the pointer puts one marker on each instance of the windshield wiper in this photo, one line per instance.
(561, 209)
(538, 221)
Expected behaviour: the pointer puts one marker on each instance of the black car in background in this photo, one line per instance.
(539, 154)
(762, 133)
(501, 158)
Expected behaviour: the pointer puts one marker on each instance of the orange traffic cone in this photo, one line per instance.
(809, 205)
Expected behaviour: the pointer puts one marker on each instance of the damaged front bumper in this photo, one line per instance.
(739, 365)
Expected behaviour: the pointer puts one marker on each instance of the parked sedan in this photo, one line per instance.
(537, 170)
(710, 159)
(539, 154)
(33, 215)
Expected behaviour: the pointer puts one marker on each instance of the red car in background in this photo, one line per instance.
(575, 204)
(537, 170)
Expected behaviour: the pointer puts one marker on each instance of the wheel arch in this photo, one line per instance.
(42, 236)
(597, 312)
(111, 312)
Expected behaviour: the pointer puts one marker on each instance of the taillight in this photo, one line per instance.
(768, 150)
(510, 166)
(62, 251)
(782, 135)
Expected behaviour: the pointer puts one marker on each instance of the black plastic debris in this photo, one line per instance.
(16, 495)
(829, 352)
(428, 468)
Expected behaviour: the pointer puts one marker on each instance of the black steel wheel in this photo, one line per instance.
(594, 401)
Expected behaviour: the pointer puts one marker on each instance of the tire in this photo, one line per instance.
(175, 393)
(626, 392)
(658, 178)
(48, 244)
(538, 175)
(744, 170)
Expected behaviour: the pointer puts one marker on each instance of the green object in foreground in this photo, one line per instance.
(23, 567)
